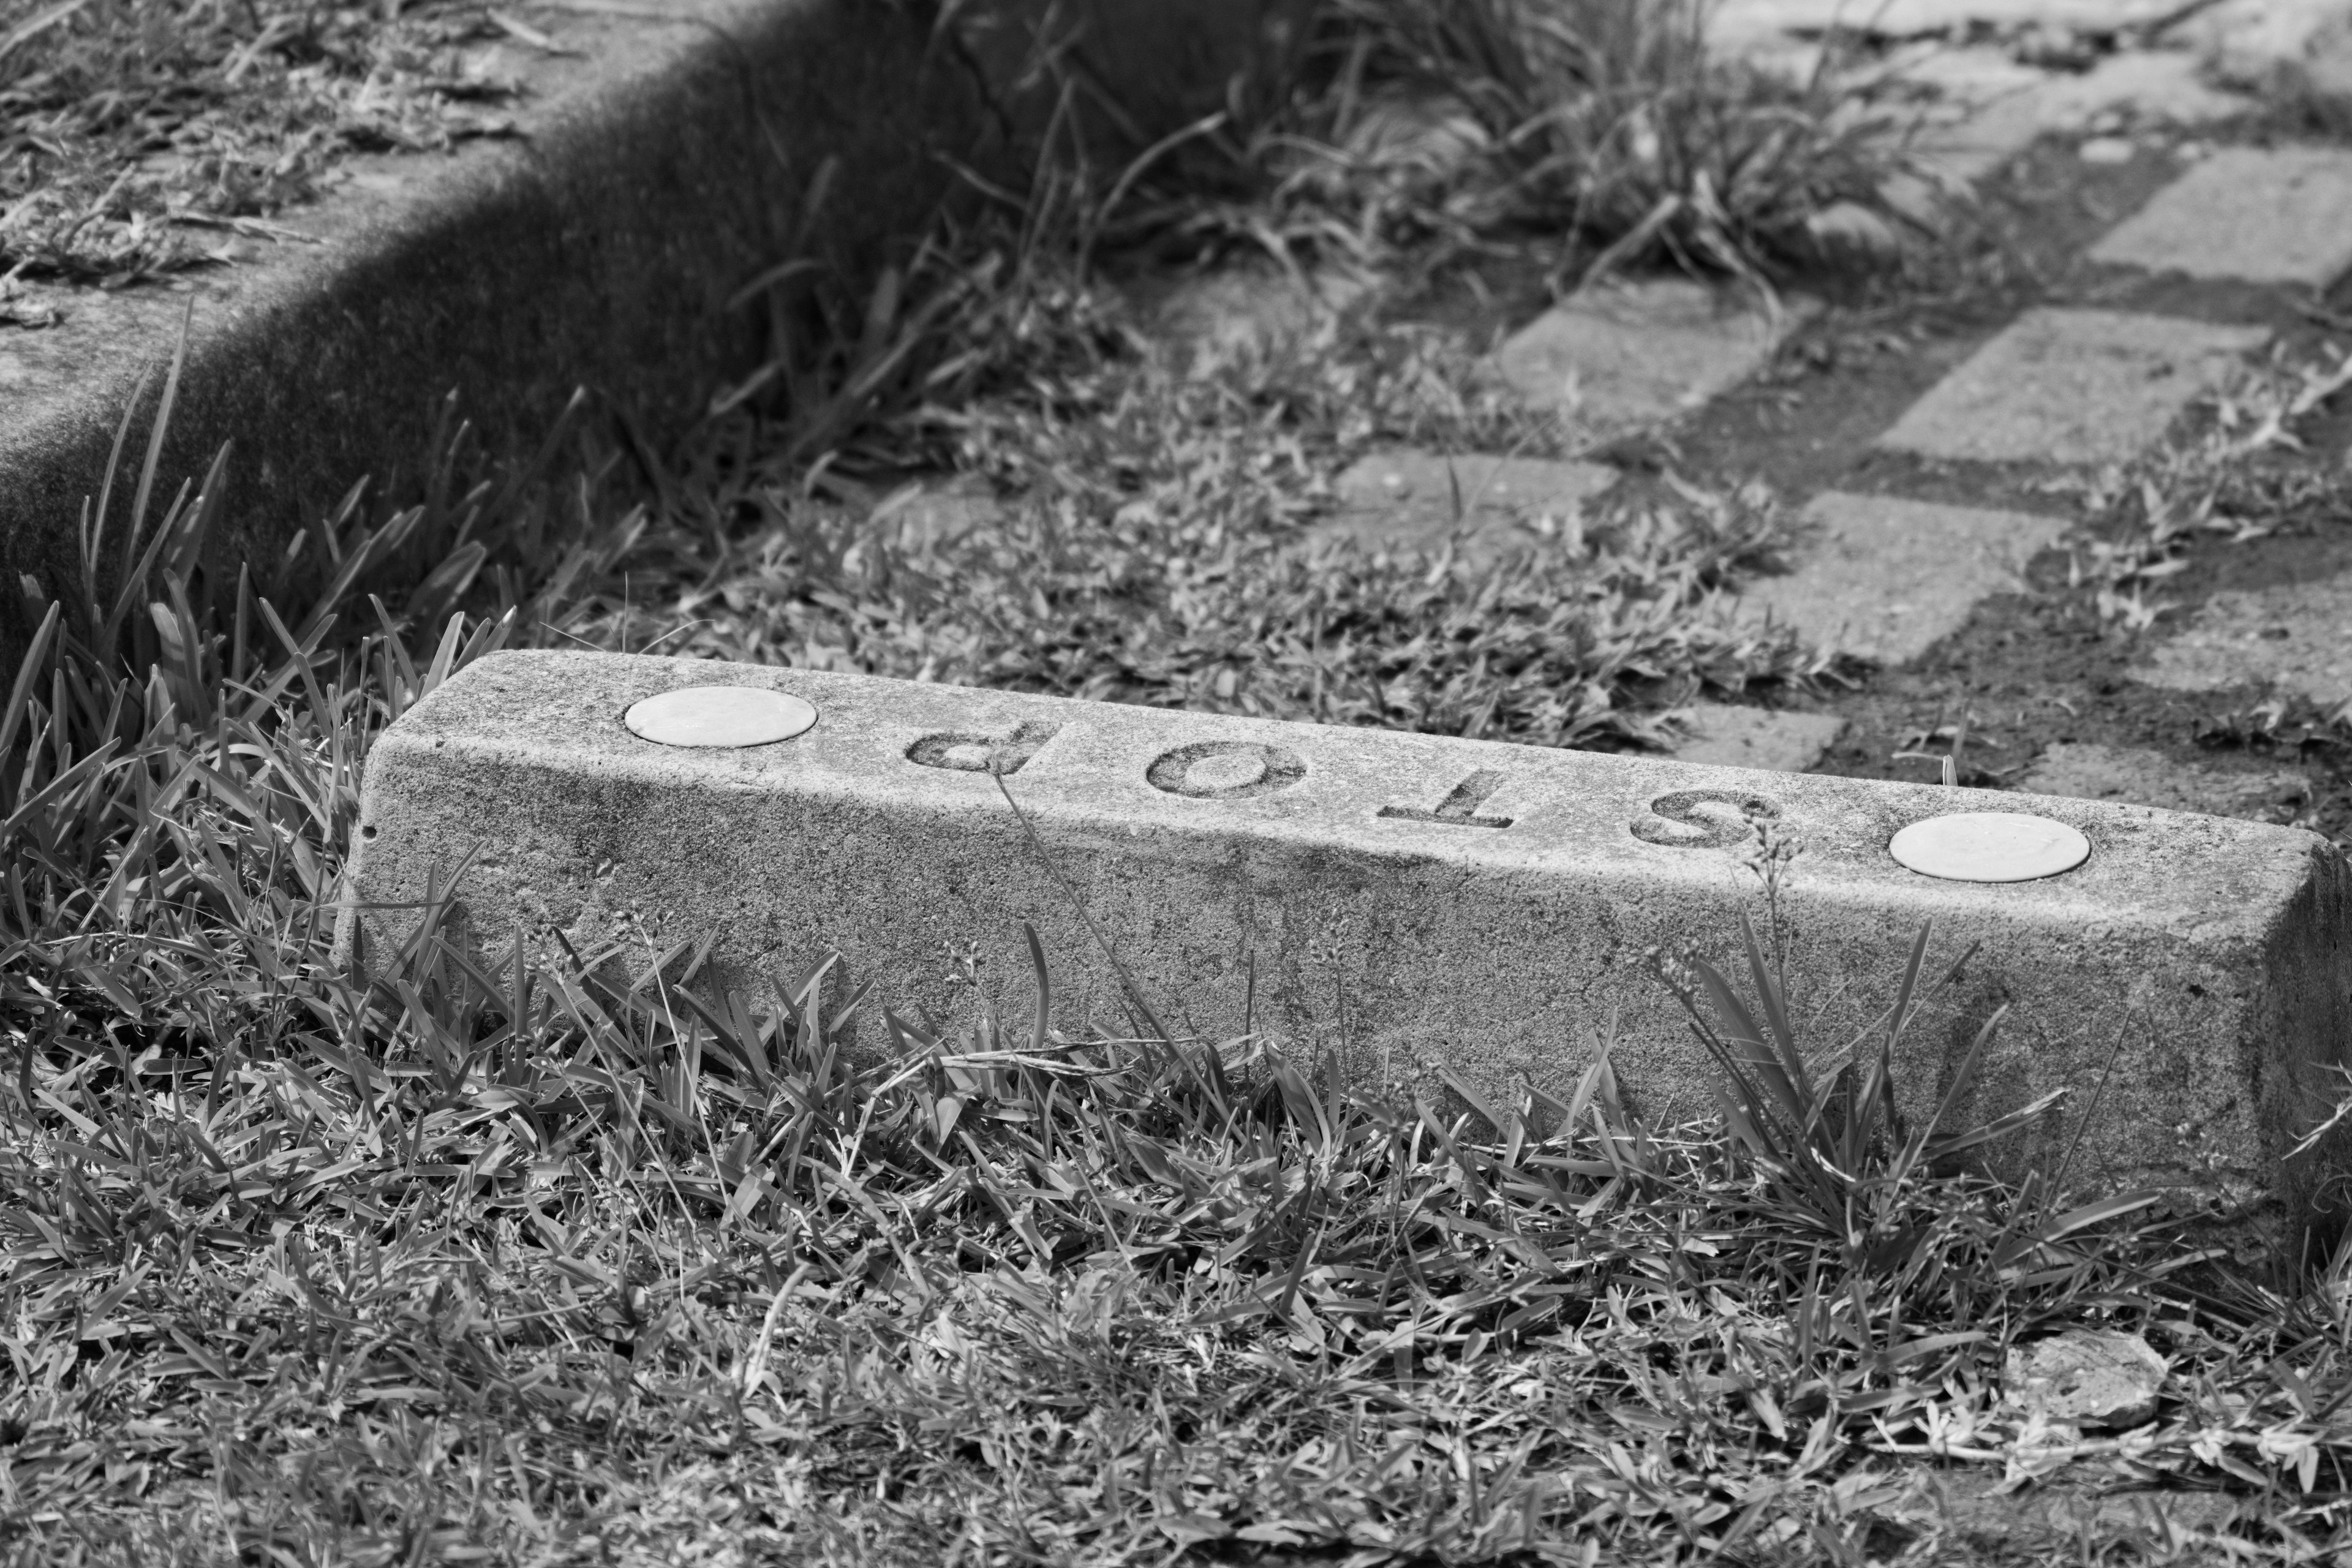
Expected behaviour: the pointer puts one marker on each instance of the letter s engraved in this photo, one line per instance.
(1704, 819)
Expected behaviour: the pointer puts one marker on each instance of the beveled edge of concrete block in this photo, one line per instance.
(656, 170)
(661, 166)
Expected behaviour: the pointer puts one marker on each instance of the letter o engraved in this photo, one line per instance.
(1226, 770)
(1679, 820)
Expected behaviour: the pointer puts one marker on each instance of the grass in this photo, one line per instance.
(443, 1264)
(135, 135)
(454, 1266)
(1590, 136)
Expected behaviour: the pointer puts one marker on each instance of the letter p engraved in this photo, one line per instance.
(1704, 819)
(1226, 770)
(964, 752)
(1460, 807)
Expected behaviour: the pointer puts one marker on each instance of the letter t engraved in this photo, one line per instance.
(1460, 809)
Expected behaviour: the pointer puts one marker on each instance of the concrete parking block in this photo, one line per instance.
(2262, 214)
(1885, 578)
(2296, 637)
(1399, 902)
(2071, 386)
(1728, 735)
(2087, 772)
(1620, 356)
(1407, 499)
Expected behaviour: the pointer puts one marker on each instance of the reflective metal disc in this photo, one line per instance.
(1989, 847)
(719, 716)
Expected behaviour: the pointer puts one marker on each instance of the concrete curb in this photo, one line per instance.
(1401, 901)
(660, 167)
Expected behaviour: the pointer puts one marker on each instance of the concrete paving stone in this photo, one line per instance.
(2296, 637)
(2087, 772)
(925, 514)
(2256, 43)
(1732, 23)
(1729, 735)
(1478, 906)
(1623, 356)
(2071, 386)
(1405, 498)
(2263, 215)
(1885, 578)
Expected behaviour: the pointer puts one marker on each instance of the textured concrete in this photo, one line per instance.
(1397, 900)
(1725, 735)
(2265, 214)
(1406, 500)
(1885, 578)
(2071, 386)
(2296, 637)
(665, 161)
(1620, 356)
(2089, 772)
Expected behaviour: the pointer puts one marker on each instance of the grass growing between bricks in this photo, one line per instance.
(443, 1265)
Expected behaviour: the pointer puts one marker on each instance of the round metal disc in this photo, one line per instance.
(719, 716)
(1989, 847)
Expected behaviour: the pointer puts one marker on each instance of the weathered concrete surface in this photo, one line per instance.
(1886, 578)
(1408, 500)
(2091, 772)
(2071, 386)
(1398, 900)
(2265, 214)
(1727, 735)
(2296, 637)
(664, 164)
(1621, 355)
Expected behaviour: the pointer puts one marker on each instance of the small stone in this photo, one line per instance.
(2086, 1378)
(2071, 387)
(1885, 578)
(1725, 735)
(2108, 150)
(729, 716)
(2296, 637)
(1618, 357)
(2274, 214)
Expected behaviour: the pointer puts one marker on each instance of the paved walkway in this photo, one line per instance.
(1944, 478)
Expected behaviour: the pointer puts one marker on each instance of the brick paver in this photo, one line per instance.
(1620, 356)
(2071, 386)
(1406, 498)
(2265, 214)
(2296, 637)
(1729, 736)
(2087, 772)
(1885, 577)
